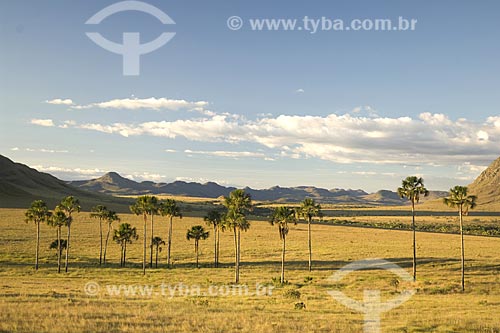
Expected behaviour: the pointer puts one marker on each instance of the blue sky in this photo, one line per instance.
(348, 109)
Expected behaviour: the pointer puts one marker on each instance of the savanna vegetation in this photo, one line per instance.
(298, 303)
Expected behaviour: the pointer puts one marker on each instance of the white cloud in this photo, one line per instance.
(43, 150)
(59, 101)
(67, 123)
(170, 150)
(70, 173)
(229, 154)
(14, 149)
(151, 103)
(365, 110)
(146, 176)
(431, 139)
(300, 91)
(42, 122)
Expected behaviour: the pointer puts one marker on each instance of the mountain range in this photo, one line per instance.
(114, 184)
(20, 185)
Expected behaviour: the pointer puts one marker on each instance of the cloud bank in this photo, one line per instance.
(431, 139)
(151, 103)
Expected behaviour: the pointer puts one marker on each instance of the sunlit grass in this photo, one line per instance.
(45, 301)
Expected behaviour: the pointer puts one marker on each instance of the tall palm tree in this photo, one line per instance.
(37, 213)
(170, 209)
(214, 219)
(123, 236)
(412, 188)
(59, 220)
(281, 216)
(157, 242)
(238, 203)
(307, 210)
(110, 218)
(458, 198)
(99, 212)
(197, 233)
(144, 205)
(69, 205)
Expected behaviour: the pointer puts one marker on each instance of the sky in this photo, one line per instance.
(358, 109)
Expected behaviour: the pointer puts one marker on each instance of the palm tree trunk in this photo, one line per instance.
(169, 245)
(239, 254)
(59, 249)
(100, 234)
(462, 248)
(236, 265)
(218, 246)
(215, 246)
(156, 258)
(144, 248)
(310, 242)
(124, 254)
(196, 250)
(121, 256)
(67, 249)
(414, 240)
(283, 260)
(37, 244)
(151, 246)
(106, 243)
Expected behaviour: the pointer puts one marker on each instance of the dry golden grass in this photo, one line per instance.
(45, 301)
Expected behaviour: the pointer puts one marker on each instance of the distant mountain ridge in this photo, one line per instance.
(487, 185)
(20, 185)
(113, 183)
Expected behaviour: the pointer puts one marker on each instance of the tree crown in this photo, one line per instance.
(412, 188)
(197, 232)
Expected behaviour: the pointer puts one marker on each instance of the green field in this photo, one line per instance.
(45, 301)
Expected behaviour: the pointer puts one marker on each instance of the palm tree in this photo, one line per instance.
(99, 212)
(214, 219)
(307, 210)
(238, 200)
(197, 232)
(157, 242)
(412, 188)
(69, 205)
(144, 205)
(458, 198)
(123, 236)
(55, 245)
(170, 209)
(37, 213)
(153, 211)
(237, 203)
(110, 218)
(281, 217)
(59, 220)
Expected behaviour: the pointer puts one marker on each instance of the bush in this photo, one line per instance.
(300, 306)
(292, 293)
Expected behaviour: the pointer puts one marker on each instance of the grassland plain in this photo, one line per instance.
(45, 301)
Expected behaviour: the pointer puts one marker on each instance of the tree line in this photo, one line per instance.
(232, 217)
